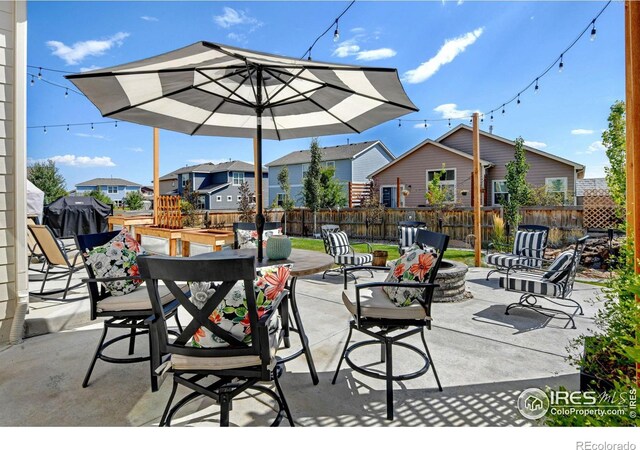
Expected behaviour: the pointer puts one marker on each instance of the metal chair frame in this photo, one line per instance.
(408, 223)
(505, 249)
(228, 383)
(382, 330)
(132, 320)
(325, 230)
(529, 300)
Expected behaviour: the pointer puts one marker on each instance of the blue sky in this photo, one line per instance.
(452, 56)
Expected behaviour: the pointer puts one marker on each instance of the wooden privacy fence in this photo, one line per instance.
(358, 193)
(599, 209)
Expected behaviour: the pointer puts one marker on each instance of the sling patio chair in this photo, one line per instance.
(407, 231)
(61, 262)
(555, 284)
(336, 244)
(229, 346)
(121, 312)
(393, 310)
(529, 245)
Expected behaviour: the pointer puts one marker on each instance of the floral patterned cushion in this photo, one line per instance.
(414, 266)
(117, 258)
(232, 314)
(249, 238)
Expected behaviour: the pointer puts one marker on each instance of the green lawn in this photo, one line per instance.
(464, 256)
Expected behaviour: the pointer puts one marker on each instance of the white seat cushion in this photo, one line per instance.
(374, 303)
(355, 259)
(137, 300)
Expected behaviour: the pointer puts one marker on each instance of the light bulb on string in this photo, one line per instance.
(66, 93)
(67, 128)
(536, 88)
(399, 123)
(492, 116)
(593, 31)
(39, 73)
(336, 34)
(482, 118)
(502, 109)
(92, 126)
(33, 80)
(518, 102)
(116, 124)
(425, 125)
(449, 123)
(561, 65)
(45, 130)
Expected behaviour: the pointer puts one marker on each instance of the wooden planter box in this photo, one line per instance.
(202, 241)
(173, 236)
(131, 222)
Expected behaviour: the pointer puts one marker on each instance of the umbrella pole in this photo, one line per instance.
(257, 158)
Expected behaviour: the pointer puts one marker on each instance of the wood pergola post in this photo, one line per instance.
(477, 212)
(156, 173)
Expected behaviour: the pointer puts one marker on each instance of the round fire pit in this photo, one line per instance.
(452, 283)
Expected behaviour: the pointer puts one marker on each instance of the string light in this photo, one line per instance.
(39, 73)
(503, 109)
(399, 123)
(561, 65)
(92, 126)
(116, 126)
(593, 31)
(518, 102)
(449, 123)
(45, 129)
(425, 124)
(33, 81)
(336, 33)
(66, 93)
(67, 128)
(536, 88)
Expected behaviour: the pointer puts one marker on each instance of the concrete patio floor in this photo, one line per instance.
(484, 359)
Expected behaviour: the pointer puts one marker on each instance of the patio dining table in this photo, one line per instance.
(303, 263)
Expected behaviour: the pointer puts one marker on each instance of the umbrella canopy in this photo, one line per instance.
(218, 90)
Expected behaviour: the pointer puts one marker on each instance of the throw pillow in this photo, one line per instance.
(249, 238)
(558, 268)
(414, 266)
(232, 314)
(117, 258)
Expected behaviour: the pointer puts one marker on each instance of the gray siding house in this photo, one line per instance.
(114, 188)
(218, 185)
(455, 149)
(352, 162)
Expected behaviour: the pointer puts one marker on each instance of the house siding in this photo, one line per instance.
(116, 197)
(412, 171)
(368, 162)
(13, 257)
(234, 191)
(500, 153)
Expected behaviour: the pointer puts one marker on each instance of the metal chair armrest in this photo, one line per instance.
(93, 280)
(169, 307)
(369, 247)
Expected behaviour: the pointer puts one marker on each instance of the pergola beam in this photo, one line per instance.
(477, 211)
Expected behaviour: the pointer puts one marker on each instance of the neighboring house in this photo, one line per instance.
(455, 149)
(352, 163)
(218, 185)
(114, 188)
(599, 184)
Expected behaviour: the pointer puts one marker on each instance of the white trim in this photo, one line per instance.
(233, 178)
(218, 198)
(229, 198)
(422, 145)
(493, 191)
(394, 186)
(384, 147)
(455, 181)
(510, 142)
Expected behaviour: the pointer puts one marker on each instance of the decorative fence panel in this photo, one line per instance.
(599, 209)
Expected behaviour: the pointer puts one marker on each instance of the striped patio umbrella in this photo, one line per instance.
(217, 90)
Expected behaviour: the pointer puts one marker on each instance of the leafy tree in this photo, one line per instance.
(311, 187)
(188, 206)
(133, 200)
(46, 177)
(287, 202)
(436, 194)
(614, 140)
(246, 206)
(332, 192)
(516, 179)
(373, 208)
(100, 196)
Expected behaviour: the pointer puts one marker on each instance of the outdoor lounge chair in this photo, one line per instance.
(529, 245)
(60, 261)
(407, 231)
(374, 314)
(124, 312)
(336, 244)
(554, 284)
(236, 365)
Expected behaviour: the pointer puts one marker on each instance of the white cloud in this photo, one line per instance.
(232, 17)
(451, 111)
(87, 69)
(373, 55)
(421, 125)
(78, 161)
(94, 136)
(346, 48)
(596, 146)
(238, 37)
(580, 131)
(536, 144)
(149, 18)
(80, 50)
(357, 30)
(447, 53)
(136, 149)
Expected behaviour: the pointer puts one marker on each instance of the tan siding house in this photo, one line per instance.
(13, 257)
(455, 150)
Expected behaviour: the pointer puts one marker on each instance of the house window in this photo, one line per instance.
(500, 192)
(229, 198)
(200, 204)
(557, 186)
(305, 169)
(280, 198)
(447, 182)
(219, 198)
(238, 198)
(329, 164)
(185, 181)
(112, 189)
(238, 178)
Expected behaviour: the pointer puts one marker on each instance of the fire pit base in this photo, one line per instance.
(451, 278)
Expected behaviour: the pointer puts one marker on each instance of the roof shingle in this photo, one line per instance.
(334, 153)
(108, 182)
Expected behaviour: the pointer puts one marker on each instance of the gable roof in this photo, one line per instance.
(421, 145)
(209, 167)
(107, 182)
(590, 183)
(335, 153)
(510, 142)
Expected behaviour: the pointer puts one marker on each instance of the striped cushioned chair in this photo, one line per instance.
(407, 231)
(344, 255)
(554, 284)
(528, 250)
